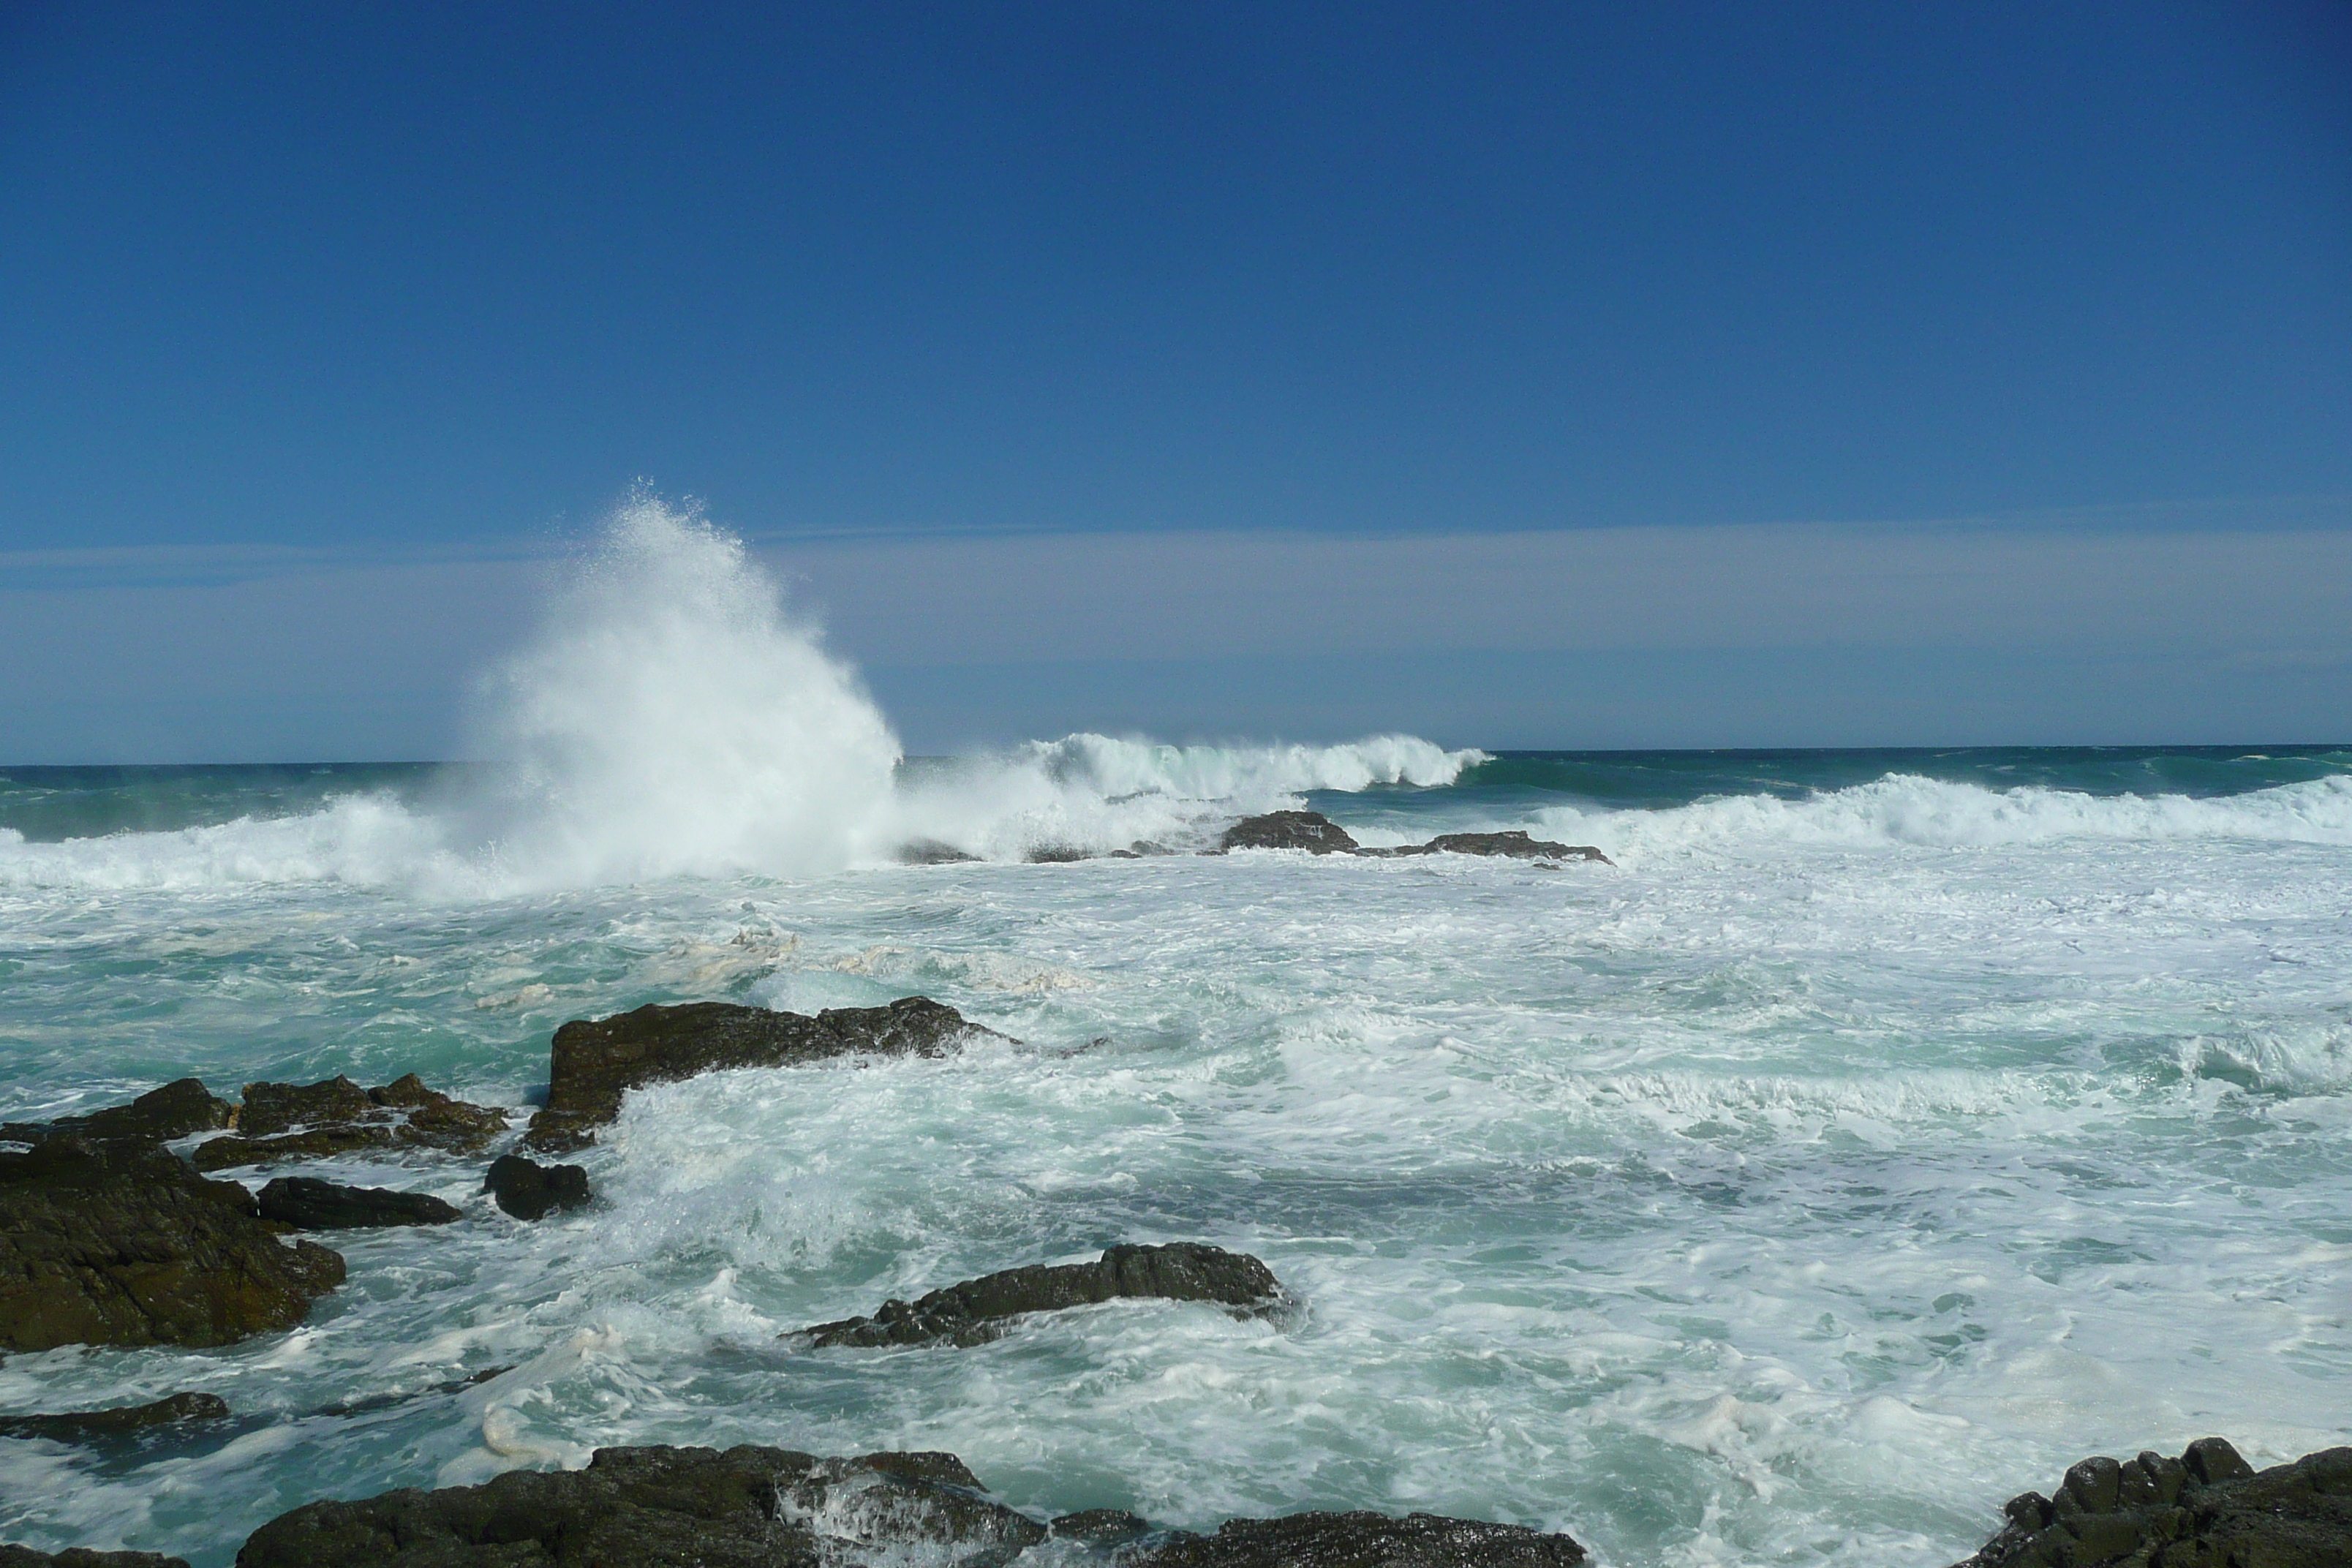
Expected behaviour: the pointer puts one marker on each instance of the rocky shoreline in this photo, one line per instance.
(109, 1236)
(1308, 831)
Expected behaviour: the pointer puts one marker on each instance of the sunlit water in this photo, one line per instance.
(1879, 1135)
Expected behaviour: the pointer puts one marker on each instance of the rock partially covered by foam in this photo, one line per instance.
(174, 1110)
(746, 1508)
(594, 1062)
(12, 1556)
(2208, 1508)
(1308, 830)
(119, 1422)
(978, 1310)
(287, 1121)
(307, 1203)
(528, 1190)
(1514, 844)
(1363, 1540)
(122, 1243)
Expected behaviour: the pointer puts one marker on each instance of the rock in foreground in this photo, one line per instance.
(978, 1310)
(2208, 1509)
(594, 1062)
(746, 1508)
(528, 1190)
(174, 1110)
(1364, 1541)
(307, 1203)
(121, 1243)
(287, 1121)
(122, 1421)
(1308, 830)
(77, 1557)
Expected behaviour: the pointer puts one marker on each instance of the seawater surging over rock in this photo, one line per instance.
(285, 1122)
(122, 1243)
(594, 1062)
(978, 1310)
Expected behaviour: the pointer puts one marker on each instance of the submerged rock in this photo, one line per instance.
(1308, 830)
(978, 1310)
(746, 1508)
(79, 1557)
(307, 1203)
(1363, 1540)
(594, 1062)
(287, 1121)
(122, 1421)
(1514, 843)
(174, 1110)
(2208, 1508)
(528, 1190)
(122, 1243)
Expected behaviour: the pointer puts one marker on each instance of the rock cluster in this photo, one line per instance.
(121, 1243)
(1319, 835)
(2208, 1508)
(978, 1310)
(306, 1202)
(122, 1421)
(284, 1121)
(1364, 1541)
(594, 1062)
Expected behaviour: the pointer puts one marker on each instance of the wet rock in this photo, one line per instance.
(745, 1508)
(308, 1203)
(594, 1062)
(1057, 855)
(80, 1557)
(122, 1421)
(122, 1243)
(978, 1310)
(1100, 1528)
(2208, 1509)
(369, 1403)
(1515, 844)
(287, 1121)
(1308, 830)
(1363, 1540)
(528, 1190)
(174, 1110)
(931, 852)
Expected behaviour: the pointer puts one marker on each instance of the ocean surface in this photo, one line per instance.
(1881, 1133)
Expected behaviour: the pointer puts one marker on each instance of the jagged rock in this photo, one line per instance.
(122, 1243)
(528, 1190)
(285, 1122)
(1057, 855)
(174, 1110)
(1308, 830)
(307, 1203)
(122, 1421)
(931, 852)
(1100, 1527)
(977, 1310)
(594, 1063)
(12, 1556)
(1514, 843)
(746, 1508)
(2208, 1509)
(1363, 1540)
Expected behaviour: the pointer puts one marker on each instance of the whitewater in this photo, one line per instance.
(1875, 1136)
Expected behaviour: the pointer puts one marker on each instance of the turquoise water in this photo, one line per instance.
(1884, 1131)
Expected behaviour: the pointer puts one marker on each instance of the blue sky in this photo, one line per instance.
(316, 308)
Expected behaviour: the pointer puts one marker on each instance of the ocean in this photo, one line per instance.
(1879, 1134)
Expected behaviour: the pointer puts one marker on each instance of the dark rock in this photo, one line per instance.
(594, 1063)
(368, 1403)
(285, 1122)
(121, 1243)
(1057, 855)
(528, 1190)
(1308, 830)
(977, 1310)
(1514, 844)
(1100, 1527)
(2208, 1509)
(122, 1421)
(1364, 1541)
(174, 1110)
(746, 1508)
(308, 1203)
(931, 852)
(82, 1557)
